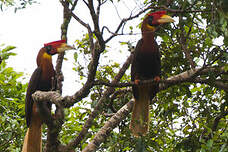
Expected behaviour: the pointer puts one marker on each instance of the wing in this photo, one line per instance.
(157, 72)
(134, 68)
(32, 87)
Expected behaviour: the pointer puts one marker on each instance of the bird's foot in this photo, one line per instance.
(137, 81)
(157, 78)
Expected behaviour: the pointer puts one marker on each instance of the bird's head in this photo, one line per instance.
(55, 47)
(153, 20)
(52, 48)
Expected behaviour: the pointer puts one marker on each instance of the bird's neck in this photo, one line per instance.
(47, 69)
(149, 43)
(44, 61)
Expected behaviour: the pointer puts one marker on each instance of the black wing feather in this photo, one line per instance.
(134, 67)
(32, 87)
(145, 65)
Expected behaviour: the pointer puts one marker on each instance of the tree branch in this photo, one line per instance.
(70, 11)
(54, 123)
(59, 62)
(95, 18)
(99, 105)
(183, 42)
(178, 10)
(217, 119)
(95, 50)
(186, 76)
(56, 98)
(122, 22)
(104, 132)
(55, 126)
(84, 91)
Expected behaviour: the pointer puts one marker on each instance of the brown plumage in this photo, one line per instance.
(146, 65)
(41, 79)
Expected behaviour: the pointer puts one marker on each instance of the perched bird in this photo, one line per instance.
(146, 65)
(42, 79)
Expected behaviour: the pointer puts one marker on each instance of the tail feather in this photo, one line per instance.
(32, 140)
(140, 117)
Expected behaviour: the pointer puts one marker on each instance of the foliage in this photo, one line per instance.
(11, 105)
(16, 4)
(184, 116)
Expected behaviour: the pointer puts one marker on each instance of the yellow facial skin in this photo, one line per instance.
(47, 56)
(152, 28)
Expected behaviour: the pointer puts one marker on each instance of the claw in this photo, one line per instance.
(157, 78)
(137, 81)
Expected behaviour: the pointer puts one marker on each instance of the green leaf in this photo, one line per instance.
(226, 68)
(209, 143)
(76, 56)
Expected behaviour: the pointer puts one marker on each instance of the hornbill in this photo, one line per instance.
(146, 65)
(42, 79)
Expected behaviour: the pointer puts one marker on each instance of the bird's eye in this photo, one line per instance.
(48, 49)
(150, 20)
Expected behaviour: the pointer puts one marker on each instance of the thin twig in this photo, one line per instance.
(187, 76)
(99, 106)
(108, 127)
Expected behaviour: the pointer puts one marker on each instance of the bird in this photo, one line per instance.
(146, 65)
(42, 79)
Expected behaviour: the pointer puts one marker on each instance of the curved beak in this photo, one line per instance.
(64, 47)
(165, 19)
